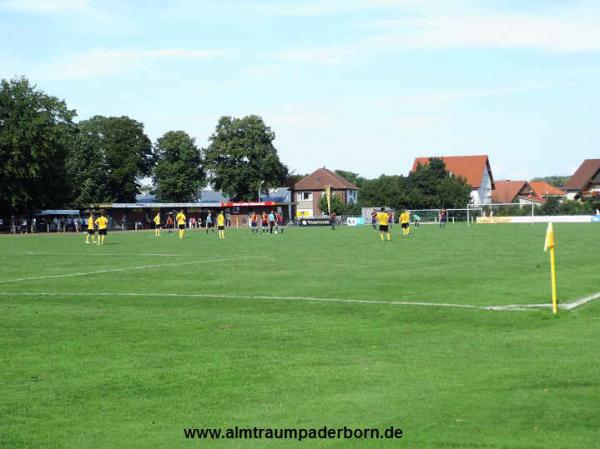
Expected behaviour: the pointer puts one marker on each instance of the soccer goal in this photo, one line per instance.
(432, 216)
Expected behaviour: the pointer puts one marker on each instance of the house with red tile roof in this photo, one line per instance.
(585, 181)
(309, 190)
(475, 170)
(524, 192)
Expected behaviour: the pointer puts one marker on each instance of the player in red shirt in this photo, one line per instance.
(254, 223)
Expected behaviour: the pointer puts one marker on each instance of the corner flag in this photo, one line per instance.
(549, 245)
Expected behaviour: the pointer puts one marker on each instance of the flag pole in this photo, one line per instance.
(553, 277)
(549, 245)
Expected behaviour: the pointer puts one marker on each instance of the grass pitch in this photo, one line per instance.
(125, 345)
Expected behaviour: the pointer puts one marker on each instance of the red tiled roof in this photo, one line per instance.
(584, 174)
(469, 167)
(507, 191)
(541, 189)
(321, 178)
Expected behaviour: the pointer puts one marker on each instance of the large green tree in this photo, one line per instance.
(389, 191)
(88, 168)
(125, 152)
(179, 174)
(36, 134)
(354, 178)
(241, 158)
(431, 186)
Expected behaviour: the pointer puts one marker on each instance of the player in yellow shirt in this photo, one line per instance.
(180, 219)
(157, 224)
(90, 230)
(405, 222)
(221, 225)
(384, 220)
(102, 223)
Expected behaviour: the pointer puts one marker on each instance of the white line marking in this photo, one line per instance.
(31, 253)
(114, 270)
(497, 308)
(261, 297)
(581, 301)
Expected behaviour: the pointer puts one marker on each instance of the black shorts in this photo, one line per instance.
(221, 228)
(254, 224)
(383, 228)
(157, 226)
(405, 225)
(102, 231)
(209, 225)
(91, 232)
(181, 226)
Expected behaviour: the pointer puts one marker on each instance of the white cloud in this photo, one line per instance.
(53, 7)
(337, 7)
(98, 62)
(323, 55)
(417, 121)
(564, 33)
(305, 116)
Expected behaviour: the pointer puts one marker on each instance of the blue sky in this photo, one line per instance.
(361, 85)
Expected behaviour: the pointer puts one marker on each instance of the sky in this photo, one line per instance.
(359, 85)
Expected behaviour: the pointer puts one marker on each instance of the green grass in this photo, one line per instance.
(113, 371)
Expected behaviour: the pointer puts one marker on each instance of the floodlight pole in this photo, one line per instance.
(259, 186)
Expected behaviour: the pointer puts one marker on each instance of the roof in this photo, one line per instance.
(469, 167)
(279, 195)
(541, 189)
(321, 178)
(507, 191)
(584, 174)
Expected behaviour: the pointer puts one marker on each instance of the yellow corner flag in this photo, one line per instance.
(328, 195)
(549, 245)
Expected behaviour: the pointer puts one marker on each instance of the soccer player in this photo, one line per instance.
(417, 219)
(102, 223)
(254, 222)
(383, 219)
(221, 224)
(90, 230)
(209, 222)
(180, 219)
(443, 216)
(280, 222)
(264, 222)
(405, 222)
(157, 225)
(271, 222)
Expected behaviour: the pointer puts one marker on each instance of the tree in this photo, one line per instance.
(89, 172)
(556, 181)
(36, 134)
(354, 178)
(431, 186)
(337, 205)
(241, 158)
(125, 151)
(389, 191)
(178, 174)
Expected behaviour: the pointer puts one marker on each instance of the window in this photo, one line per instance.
(305, 196)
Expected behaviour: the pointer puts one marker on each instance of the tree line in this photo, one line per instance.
(48, 160)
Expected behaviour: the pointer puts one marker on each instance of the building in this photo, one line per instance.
(524, 192)
(585, 182)
(309, 190)
(475, 170)
(139, 215)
